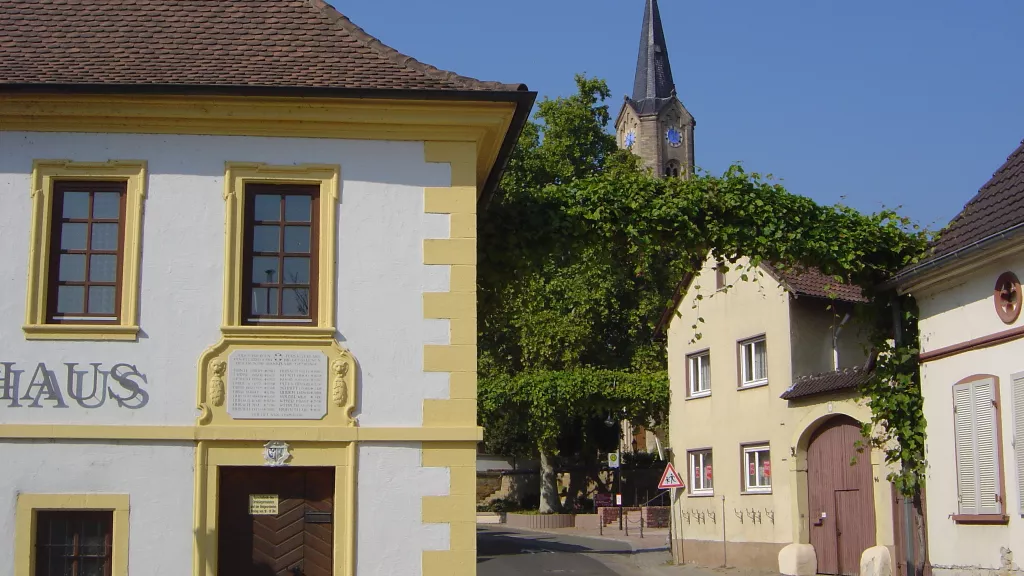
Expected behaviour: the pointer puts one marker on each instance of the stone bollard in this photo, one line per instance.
(876, 561)
(799, 560)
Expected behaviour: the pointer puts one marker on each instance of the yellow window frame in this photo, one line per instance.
(239, 174)
(44, 174)
(25, 525)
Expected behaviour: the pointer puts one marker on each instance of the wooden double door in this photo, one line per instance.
(275, 522)
(840, 496)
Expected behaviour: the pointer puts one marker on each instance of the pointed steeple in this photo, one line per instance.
(653, 71)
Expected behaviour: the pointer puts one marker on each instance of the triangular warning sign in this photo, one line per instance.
(670, 479)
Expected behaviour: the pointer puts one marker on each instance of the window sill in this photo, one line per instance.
(700, 395)
(756, 492)
(258, 333)
(111, 332)
(700, 494)
(981, 519)
(749, 385)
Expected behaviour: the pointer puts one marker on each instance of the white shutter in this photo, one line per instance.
(985, 433)
(1018, 435)
(963, 422)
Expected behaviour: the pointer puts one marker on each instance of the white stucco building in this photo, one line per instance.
(972, 379)
(237, 300)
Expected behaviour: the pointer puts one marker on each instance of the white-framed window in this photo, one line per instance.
(1018, 435)
(698, 369)
(701, 468)
(757, 467)
(976, 426)
(753, 362)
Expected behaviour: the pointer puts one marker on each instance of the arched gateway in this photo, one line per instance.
(840, 496)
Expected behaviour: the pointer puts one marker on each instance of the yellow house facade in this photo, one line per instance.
(764, 421)
(239, 324)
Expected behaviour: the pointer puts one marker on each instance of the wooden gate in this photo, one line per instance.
(840, 497)
(287, 530)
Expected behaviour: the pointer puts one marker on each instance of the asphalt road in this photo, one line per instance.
(507, 552)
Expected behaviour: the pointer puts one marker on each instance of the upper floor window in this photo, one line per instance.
(720, 277)
(73, 542)
(698, 369)
(672, 169)
(753, 362)
(281, 264)
(86, 238)
(1018, 434)
(978, 458)
(701, 467)
(86, 251)
(758, 469)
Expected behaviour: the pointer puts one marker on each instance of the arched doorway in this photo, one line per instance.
(840, 496)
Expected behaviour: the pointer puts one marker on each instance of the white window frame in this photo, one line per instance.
(968, 398)
(752, 454)
(701, 485)
(694, 371)
(746, 380)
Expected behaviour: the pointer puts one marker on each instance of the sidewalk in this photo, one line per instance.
(654, 538)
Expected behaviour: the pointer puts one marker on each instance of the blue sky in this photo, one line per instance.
(871, 103)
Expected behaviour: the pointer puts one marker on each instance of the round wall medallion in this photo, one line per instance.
(1007, 297)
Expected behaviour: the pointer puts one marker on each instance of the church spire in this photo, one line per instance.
(653, 72)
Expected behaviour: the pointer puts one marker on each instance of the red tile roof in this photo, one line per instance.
(848, 379)
(811, 282)
(998, 206)
(255, 43)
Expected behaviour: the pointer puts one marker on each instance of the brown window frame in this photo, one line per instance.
(45, 519)
(748, 448)
(740, 346)
(689, 372)
(248, 254)
(60, 188)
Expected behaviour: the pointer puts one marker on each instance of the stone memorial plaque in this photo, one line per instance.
(277, 385)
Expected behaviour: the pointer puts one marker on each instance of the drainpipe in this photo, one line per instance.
(908, 503)
(835, 342)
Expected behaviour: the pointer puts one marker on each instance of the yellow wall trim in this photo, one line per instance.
(443, 122)
(25, 525)
(457, 509)
(44, 174)
(238, 433)
(212, 455)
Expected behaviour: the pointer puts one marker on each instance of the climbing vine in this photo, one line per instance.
(582, 254)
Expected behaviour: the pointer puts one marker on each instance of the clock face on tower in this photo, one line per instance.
(674, 137)
(629, 139)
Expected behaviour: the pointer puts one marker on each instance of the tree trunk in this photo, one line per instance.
(549, 503)
(577, 484)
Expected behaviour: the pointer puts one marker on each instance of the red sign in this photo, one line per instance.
(753, 469)
(707, 472)
(669, 479)
(602, 500)
(767, 468)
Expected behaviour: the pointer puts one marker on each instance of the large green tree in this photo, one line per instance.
(580, 256)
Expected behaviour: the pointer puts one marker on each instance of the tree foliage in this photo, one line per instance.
(583, 251)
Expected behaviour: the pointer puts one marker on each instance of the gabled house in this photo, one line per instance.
(238, 312)
(968, 295)
(765, 421)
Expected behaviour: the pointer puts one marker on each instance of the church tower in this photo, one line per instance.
(653, 123)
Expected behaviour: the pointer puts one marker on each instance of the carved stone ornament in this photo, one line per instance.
(339, 390)
(1008, 297)
(276, 453)
(219, 368)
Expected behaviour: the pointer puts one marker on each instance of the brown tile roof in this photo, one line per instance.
(997, 207)
(804, 281)
(255, 43)
(847, 379)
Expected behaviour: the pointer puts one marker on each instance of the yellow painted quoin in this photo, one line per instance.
(458, 359)
(44, 174)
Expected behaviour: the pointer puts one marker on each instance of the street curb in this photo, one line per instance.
(633, 549)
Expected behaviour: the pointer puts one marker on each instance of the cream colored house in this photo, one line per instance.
(972, 378)
(764, 421)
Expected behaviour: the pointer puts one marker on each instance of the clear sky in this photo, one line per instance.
(872, 102)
